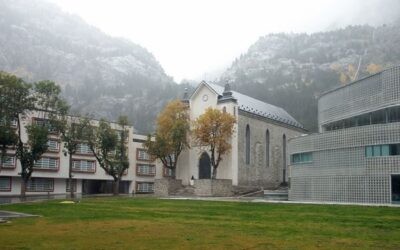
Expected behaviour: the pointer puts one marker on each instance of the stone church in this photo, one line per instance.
(258, 156)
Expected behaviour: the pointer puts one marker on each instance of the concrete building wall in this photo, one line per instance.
(339, 170)
(371, 93)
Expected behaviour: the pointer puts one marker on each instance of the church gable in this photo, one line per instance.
(202, 98)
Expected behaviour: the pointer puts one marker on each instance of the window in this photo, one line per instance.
(247, 144)
(382, 150)
(378, 117)
(45, 123)
(40, 185)
(284, 158)
(145, 169)
(267, 147)
(83, 166)
(144, 187)
(394, 114)
(46, 163)
(382, 116)
(302, 158)
(142, 155)
(53, 145)
(12, 122)
(83, 148)
(5, 184)
(68, 186)
(8, 161)
(167, 172)
(385, 150)
(376, 150)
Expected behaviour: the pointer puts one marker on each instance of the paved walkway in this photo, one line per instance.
(261, 200)
(10, 215)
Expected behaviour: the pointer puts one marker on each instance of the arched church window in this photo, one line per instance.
(267, 148)
(284, 157)
(247, 144)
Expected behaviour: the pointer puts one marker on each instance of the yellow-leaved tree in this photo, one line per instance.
(171, 136)
(213, 130)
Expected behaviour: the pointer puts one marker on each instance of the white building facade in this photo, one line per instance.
(257, 157)
(51, 172)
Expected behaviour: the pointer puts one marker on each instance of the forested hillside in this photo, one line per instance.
(99, 74)
(291, 70)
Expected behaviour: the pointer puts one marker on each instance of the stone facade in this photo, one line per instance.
(210, 187)
(167, 186)
(259, 172)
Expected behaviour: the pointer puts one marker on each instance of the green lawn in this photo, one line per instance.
(140, 223)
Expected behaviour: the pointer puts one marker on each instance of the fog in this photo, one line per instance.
(196, 39)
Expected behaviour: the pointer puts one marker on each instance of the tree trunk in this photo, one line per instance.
(116, 187)
(214, 173)
(23, 187)
(71, 187)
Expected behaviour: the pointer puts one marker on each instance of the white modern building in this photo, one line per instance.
(50, 175)
(355, 157)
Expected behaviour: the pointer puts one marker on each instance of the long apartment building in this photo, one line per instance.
(51, 172)
(356, 155)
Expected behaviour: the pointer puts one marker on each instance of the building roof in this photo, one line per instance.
(260, 108)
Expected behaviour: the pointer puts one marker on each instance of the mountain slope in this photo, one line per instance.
(291, 70)
(101, 75)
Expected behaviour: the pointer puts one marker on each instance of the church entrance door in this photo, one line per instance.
(204, 166)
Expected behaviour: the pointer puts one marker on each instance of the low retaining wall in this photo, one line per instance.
(164, 187)
(213, 187)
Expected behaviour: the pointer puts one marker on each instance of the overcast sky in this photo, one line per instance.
(190, 38)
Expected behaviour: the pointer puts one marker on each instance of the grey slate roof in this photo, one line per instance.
(257, 107)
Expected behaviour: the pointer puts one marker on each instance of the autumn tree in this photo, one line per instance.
(373, 68)
(171, 136)
(109, 148)
(18, 99)
(213, 130)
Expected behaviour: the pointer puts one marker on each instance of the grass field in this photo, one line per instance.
(127, 223)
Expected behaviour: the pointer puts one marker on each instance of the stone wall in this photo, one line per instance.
(260, 173)
(164, 187)
(210, 187)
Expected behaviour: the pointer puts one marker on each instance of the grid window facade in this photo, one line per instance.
(84, 166)
(46, 163)
(45, 123)
(363, 96)
(40, 185)
(142, 155)
(146, 169)
(53, 145)
(144, 187)
(83, 148)
(8, 161)
(354, 159)
(5, 184)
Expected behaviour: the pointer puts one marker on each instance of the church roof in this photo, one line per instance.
(260, 108)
